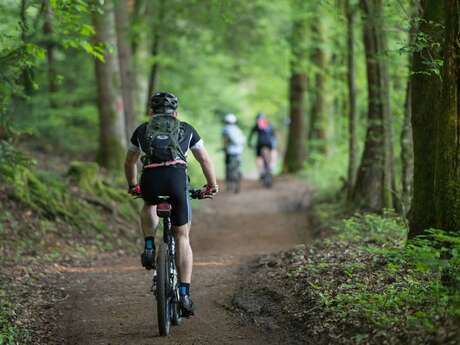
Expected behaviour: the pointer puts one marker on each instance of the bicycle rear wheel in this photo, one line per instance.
(163, 288)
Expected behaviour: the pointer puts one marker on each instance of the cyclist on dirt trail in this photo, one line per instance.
(266, 139)
(233, 140)
(163, 143)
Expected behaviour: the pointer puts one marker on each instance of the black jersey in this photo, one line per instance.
(189, 138)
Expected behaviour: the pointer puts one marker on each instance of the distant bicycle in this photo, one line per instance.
(165, 285)
(233, 173)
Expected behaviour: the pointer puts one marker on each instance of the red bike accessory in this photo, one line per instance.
(164, 209)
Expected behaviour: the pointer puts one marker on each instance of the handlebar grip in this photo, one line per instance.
(199, 194)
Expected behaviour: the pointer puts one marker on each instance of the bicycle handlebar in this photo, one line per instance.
(194, 194)
(199, 194)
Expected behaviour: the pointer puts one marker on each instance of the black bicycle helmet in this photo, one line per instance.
(163, 103)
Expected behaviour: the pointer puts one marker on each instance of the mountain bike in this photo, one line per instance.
(165, 280)
(233, 173)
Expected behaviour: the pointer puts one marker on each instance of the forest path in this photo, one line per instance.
(110, 302)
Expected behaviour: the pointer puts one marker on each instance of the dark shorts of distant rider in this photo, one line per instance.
(261, 146)
(168, 181)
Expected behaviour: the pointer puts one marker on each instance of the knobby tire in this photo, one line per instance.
(163, 307)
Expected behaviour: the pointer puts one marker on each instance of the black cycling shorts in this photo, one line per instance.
(169, 181)
(259, 148)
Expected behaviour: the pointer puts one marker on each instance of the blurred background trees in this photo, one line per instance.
(339, 79)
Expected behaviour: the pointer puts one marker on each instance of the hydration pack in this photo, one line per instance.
(161, 140)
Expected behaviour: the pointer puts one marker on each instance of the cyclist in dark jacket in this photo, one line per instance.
(265, 144)
(168, 178)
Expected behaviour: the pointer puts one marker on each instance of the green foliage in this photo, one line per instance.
(52, 197)
(389, 284)
(10, 334)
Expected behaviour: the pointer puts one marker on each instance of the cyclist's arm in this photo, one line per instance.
(131, 167)
(202, 156)
(253, 130)
(225, 141)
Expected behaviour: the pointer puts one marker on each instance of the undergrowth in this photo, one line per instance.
(375, 287)
(49, 215)
(10, 334)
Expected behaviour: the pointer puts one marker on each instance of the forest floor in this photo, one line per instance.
(107, 301)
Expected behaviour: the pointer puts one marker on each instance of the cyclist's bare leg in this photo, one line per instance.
(184, 254)
(260, 165)
(149, 220)
(274, 157)
(266, 154)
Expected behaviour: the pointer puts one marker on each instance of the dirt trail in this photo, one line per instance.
(110, 302)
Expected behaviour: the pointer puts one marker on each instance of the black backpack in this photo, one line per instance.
(161, 140)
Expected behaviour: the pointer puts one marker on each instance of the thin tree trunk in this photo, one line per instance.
(154, 68)
(125, 60)
(447, 170)
(138, 19)
(373, 189)
(352, 109)
(319, 116)
(27, 72)
(426, 95)
(407, 143)
(140, 47)
(295, 152)
(407, 147)
(50, 48)
(112, 134)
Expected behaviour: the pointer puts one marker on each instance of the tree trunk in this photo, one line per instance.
(295, 151)
(407, 156)
(426, 95)
(373, 189)
(406, 141)
(112, 134)
(319, 115)
(153, 75)
(352, 109)
(447, 170)
(140, 47)
(125, 60)
(50, 48)
(295, 154)
(27, 72)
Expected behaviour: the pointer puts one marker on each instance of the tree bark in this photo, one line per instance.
(447, 170)
(112, 134)
(352, 109)
(319, 115)
(407, 156)
(140, 44)
(50, 48)
(373, 189)
(125, 59)
(27, 72)
(426, 96)
(407, 143)
(154, 68)
(295, 151)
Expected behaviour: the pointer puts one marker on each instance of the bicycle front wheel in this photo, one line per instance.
(163, 288)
